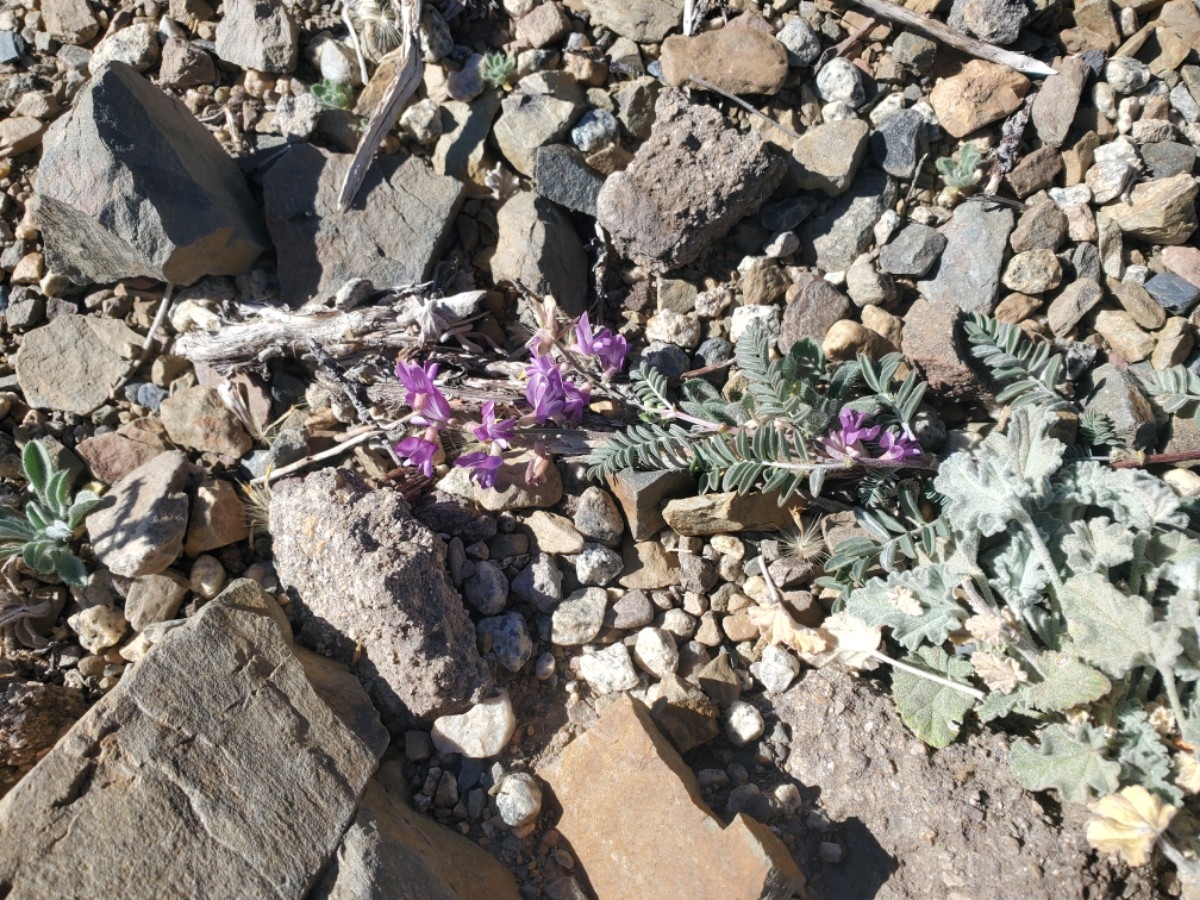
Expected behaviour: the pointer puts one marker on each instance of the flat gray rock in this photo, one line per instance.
(688, 185)
(391, 235)
(258, 34)
(968, 272)
(564, 178)
(169, 205)
(539, 249)
(836, 237)
(72, 363)
(369, 583)
(138, 528)
(216, 768)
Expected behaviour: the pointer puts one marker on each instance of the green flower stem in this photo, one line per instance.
(1044, 557)
(1168, 678)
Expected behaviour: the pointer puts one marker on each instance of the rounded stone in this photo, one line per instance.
(743, 723)
(487, 589)
(207, 576)
(1126, 74)
(597, 128)
(518, 799)
(508, 638)
(609, 670)
(775, 669)
(840, 81)
(598, 517)
(655, 652)
(479, 733)
(801, 42)
(579, 618)
(598, 565)
(1033, 272)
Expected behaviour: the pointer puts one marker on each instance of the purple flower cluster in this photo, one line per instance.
(607, 347)
(429, 408)
(553, 398)
(853, 441)
(496, 435)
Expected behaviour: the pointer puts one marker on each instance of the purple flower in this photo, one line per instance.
(608, 348)
(498, 432)
(898, 449)
(576, 400)
(427, 401)
(846, 442)
(483, 467)
(418, 453)
(551, 396)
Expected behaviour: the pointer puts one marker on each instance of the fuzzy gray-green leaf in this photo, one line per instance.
(933, 711)
(1074, 763)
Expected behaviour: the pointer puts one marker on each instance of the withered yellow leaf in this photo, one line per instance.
(1128, 823)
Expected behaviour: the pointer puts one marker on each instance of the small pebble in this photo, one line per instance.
(207, 576)
(519, 799)
(743, 723)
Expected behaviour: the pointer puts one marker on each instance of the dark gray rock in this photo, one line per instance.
(1167, 158)
(539, 249)
(1085, 259)
(688, 185)
(968, 272)
(713, 352)
(913, 251)
(914, 51)
(258, 34)
(369, 584)
(564, 178)
(813, 306)
(539, 583)
(391, 235)
(784, 215)
(1115, 393)
(1175, 294)
(598, 517)
(251, 755)
(834, 239)
(994, 21)
(486, 589)
(170, 205)
(33, 716)
(898, 142)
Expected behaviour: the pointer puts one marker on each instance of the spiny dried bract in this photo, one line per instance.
(378, 25)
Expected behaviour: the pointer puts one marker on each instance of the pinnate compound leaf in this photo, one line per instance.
(933, 712)
(1074, 763)
(880, 602)
(1129, 823)
(1114, 631)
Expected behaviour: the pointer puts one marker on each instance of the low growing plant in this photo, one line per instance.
(496, 68)
(333, 94)
(960, 171)
(42, 535)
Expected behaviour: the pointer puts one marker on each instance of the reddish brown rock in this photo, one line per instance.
(738, 60)
(112, 456)
(1184, 262)
(633, 813)
(196, 418)
(980, 94)
(931, 343)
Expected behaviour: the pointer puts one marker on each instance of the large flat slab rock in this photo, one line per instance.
(391, 852)
(73, 363)
(688, 185)
(130, 184)
(369, 583)
(391, 235)
(633, 813)
(216, 768)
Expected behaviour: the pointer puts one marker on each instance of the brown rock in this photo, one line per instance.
(1097, 17)
(390, 850)
(763, 283)
(1123, 335)
(684, 713)
(647, 567)
(1184, 262)
(20, 134)
(634, 816)
(1162, 210)
(1016, 308)
(1055, 104)
(739, 627)
(728, 513)
(847, 338)
(932, 344)
(1138, 303)
(1175, 343)
(196, 418)
(154, 598)
(980, 94)
(738, 60)
(32, 718)
(1075, 301)
(185, 65)
(1035, 172)
(1079, 158)
(813, 305)
(1041, 227)
(218, 518)
(827, 156)
(112, 456)
(544, 25)
(69, 21)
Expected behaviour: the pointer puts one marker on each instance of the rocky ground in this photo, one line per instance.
(564, 675)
